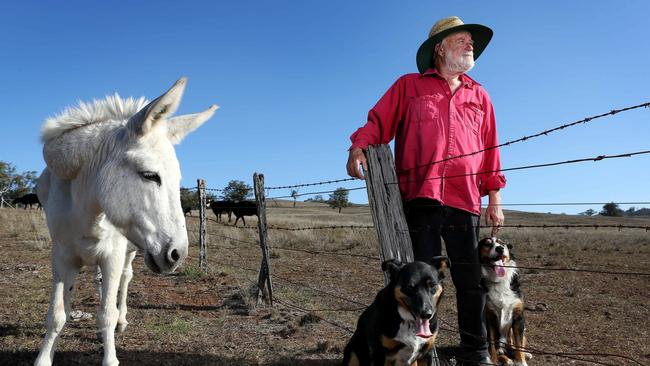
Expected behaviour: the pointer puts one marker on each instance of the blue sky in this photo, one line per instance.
(295, 78)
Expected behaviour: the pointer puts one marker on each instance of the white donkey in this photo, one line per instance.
(112, 177)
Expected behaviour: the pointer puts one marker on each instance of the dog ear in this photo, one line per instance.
(440, 263)
(392, 266)
(485, 242)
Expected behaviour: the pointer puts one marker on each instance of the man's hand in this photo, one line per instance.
(493, 213)
(355, 159)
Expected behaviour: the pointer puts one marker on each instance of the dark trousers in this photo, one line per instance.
(428, 223)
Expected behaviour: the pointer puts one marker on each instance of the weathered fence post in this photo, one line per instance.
(387, 210)
(203, 255)
(265, 269)
(386, 206)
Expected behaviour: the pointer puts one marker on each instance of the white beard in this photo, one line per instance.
(462, 64)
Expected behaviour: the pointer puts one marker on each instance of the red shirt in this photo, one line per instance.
(430, 124)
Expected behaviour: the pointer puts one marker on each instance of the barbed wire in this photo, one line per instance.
(233, 239)
(574, 161)
(317, 252)
(312, 184)
(329, 227)
(529, 137)
(301, 309)
(513, 204)
(302, 285)
(313, 193)
(458, 227)
(508, 143)
(555, 269)
(533, 166)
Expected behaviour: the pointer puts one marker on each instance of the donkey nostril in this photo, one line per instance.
(174, 255)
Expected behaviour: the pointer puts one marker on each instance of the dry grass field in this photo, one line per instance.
(196, 318)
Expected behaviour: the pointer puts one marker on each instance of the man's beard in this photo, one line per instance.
(461, 65)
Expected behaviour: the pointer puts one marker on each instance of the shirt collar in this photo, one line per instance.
(464, 78)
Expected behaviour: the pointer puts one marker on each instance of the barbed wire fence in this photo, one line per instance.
(392, 241)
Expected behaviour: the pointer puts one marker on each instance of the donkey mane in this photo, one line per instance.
(112, 108)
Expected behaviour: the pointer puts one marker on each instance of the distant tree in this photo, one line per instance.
(339, 199)
(190, 198)
(237, 190)
(588, 212)
(13, 184)
(319, 198)
(611, 209)
(294, 195)
(642, 212)
(630, 211)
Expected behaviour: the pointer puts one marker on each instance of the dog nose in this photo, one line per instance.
(427, 314)
(499, 250)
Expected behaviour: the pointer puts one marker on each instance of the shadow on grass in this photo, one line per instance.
(177, 307)
(142, 358)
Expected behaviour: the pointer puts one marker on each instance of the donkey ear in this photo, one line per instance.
(392, 266)
(160, 109)
(179, 127)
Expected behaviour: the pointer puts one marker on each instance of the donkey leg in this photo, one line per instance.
(63, 277)
(127, 275)
(107, 316)
(97, 281)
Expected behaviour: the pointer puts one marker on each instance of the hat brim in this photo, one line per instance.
(481, 35)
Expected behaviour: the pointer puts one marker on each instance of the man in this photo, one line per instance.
(435, 116)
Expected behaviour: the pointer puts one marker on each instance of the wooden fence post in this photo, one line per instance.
(203, 252)
(265, 269)
(386, 206)
(387, 210)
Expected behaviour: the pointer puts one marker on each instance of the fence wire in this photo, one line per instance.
(530, 137)
(574, 161)
(508, 143)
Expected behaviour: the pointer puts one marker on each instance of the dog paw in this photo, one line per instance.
(517, 363)
(528, 355)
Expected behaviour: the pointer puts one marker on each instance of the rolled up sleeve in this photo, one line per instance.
(491, 179)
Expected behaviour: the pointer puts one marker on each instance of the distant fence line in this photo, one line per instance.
(619, 227)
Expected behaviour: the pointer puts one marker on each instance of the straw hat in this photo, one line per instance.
(444, 27)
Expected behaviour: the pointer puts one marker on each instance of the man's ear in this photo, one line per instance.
(392, 266)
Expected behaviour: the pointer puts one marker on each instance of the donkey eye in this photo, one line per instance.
(152, 176)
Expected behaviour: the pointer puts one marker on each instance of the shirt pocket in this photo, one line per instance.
(425, 108)
(473, 116)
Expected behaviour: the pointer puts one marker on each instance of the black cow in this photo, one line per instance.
(244, 208)
(28, 199)
(219, 207)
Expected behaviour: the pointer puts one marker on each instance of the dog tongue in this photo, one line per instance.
(499, 269)
(422, 326)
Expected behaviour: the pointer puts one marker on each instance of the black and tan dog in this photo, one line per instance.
(400, 326)
(504, 309)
